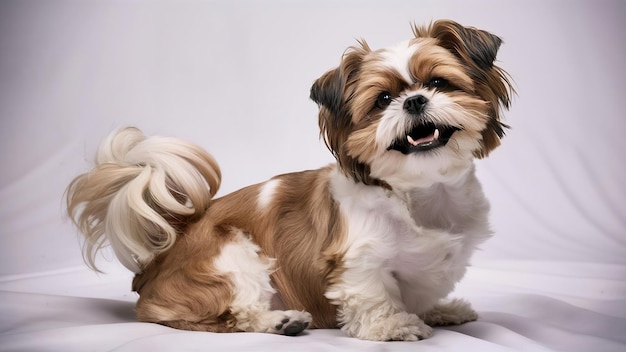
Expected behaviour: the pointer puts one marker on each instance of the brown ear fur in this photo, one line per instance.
(333, 92)
(477, 50)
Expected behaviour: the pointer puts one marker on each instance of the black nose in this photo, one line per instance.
(415, 105)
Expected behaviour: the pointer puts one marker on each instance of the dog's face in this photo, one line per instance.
(416, 113)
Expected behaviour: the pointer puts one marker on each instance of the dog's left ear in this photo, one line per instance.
(470, 44)
(477, 50)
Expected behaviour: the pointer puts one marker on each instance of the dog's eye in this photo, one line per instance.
(383, 100)
(437, 82)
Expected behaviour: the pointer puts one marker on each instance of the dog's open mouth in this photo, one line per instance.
(423, 137)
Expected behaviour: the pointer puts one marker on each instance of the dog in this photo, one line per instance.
(372, 244)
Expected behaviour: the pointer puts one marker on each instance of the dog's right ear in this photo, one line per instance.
(327, 90)
(331, 91)
(333, 120)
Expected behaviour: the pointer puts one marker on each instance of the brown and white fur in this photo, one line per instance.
(372, 244)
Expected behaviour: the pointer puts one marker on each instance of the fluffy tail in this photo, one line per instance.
(140, 195)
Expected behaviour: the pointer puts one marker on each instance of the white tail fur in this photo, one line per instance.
(140, 195)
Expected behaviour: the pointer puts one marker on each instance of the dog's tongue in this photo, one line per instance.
(427, 139)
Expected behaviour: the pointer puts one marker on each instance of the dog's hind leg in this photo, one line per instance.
(249, 273)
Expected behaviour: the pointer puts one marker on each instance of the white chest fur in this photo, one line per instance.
(409, 248)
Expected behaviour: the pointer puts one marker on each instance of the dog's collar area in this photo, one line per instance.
(423, 137)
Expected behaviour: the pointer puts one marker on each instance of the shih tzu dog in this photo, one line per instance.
(372, 244)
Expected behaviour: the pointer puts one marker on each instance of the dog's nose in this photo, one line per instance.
(415, 105)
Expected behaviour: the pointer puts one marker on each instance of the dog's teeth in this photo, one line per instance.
(411, 140)
(436, 134)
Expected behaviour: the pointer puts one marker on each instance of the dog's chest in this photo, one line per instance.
(424, 239)
(435, 251)
(434, 246)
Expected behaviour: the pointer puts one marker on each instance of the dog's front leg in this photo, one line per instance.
(370, 306)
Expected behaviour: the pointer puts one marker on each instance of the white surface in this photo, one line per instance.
(235, 77)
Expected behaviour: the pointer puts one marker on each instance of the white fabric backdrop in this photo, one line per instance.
(234, 77)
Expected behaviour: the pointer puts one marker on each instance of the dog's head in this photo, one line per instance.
(416, 113)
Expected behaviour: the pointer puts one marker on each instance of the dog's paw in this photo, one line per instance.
(290, 322)
(397, 327)
(453, 312)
